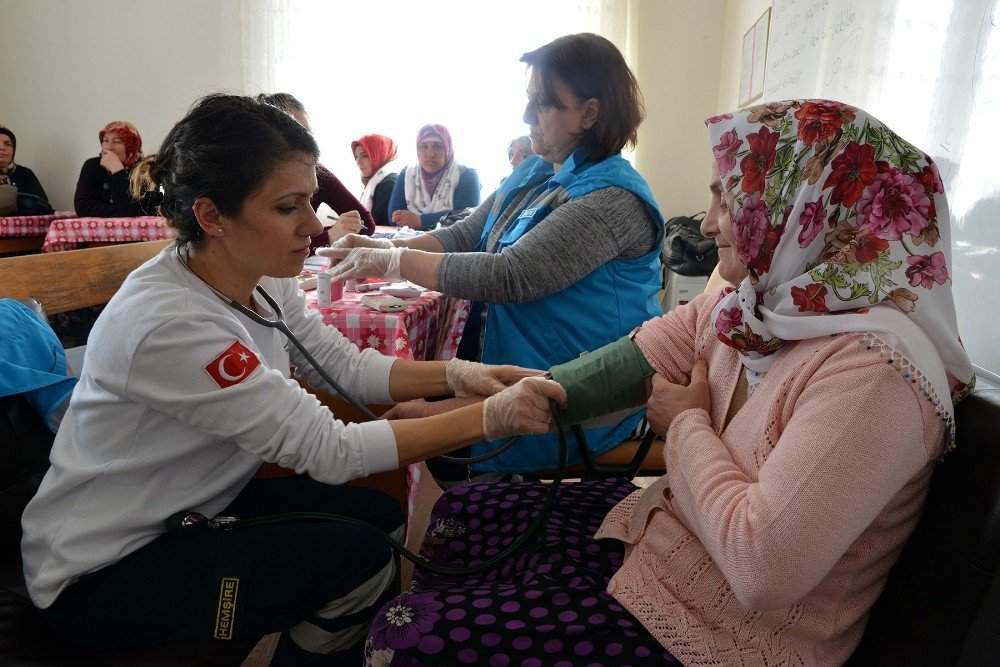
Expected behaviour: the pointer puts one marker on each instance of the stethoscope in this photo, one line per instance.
(279, 323)
(189, 522)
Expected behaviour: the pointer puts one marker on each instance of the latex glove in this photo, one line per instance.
(521, 409)
(468, 378)
(667, 400)
(348, 223)
(363, 263)
(359, 241)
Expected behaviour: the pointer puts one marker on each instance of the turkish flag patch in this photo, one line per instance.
(232, 366)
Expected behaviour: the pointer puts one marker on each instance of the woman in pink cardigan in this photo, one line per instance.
(805, 405)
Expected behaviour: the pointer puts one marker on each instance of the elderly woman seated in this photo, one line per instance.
(805, 406)
(103, 188)
(563, 257)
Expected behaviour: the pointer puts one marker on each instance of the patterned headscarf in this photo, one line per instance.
(431, 180)
(5, 171)
(129, 136)
(379, 149)
(844, 228)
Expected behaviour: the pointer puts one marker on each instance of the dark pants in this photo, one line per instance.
(244, 583)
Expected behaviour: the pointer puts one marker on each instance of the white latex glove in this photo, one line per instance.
(359, 241)
(521, 409)
(468, 378)
(363, 263)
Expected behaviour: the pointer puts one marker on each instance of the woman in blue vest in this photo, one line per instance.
(561, 259)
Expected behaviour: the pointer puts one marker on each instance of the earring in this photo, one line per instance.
(221, 231)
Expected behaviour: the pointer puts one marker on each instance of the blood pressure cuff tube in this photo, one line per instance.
(607, 380)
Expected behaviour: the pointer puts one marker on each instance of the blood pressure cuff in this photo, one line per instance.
(607, 380)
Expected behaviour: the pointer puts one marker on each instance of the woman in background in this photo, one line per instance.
(103, 188)
(14, 174)
(434, 187)
(354, 217)
(518, 149)
(374, 154)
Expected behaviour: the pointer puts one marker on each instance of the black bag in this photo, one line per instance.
(685, 250)
(29, 204)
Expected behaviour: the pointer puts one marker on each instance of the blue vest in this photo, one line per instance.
(598, 309)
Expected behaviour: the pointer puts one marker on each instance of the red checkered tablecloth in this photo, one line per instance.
(29, 225)
(430, 327)
(66, 234)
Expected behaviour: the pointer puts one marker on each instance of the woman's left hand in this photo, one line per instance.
(363, 263)
(667, 400)
(468, 378)
(406, 219)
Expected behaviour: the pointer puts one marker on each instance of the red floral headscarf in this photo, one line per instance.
(379, 149)
(129, 136)
(844, 227)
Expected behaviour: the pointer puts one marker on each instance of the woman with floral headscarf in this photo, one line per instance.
(103, 188)
(374, 154)
(434, 187)
(805, 405)
(15, 174)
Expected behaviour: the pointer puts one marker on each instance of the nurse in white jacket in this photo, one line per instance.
(182, 397)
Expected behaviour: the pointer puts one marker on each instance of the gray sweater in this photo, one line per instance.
(573, 240)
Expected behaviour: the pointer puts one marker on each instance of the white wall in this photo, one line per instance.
(678, 54)
(70, 67)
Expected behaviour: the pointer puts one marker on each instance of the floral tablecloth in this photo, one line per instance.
(430, 328)
(67, 233)
(29, 225)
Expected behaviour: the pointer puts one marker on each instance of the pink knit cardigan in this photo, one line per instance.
(768, 541)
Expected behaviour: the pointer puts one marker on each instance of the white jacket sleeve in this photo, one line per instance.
(188, 369)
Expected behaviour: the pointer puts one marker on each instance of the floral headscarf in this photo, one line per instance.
(379, 149)
(9, 169)
(431, 180)
(844, 227)
(129, 136)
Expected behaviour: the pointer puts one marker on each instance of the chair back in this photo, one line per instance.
(941, 604)
(64, 281)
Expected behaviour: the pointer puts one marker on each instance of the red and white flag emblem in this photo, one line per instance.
(232, 366)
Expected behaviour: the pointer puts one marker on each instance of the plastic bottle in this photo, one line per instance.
(323, 289)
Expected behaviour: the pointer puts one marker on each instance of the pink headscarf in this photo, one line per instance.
(844, 227)
(431, 180)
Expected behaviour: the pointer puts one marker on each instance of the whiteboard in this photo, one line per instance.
(930, 69)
